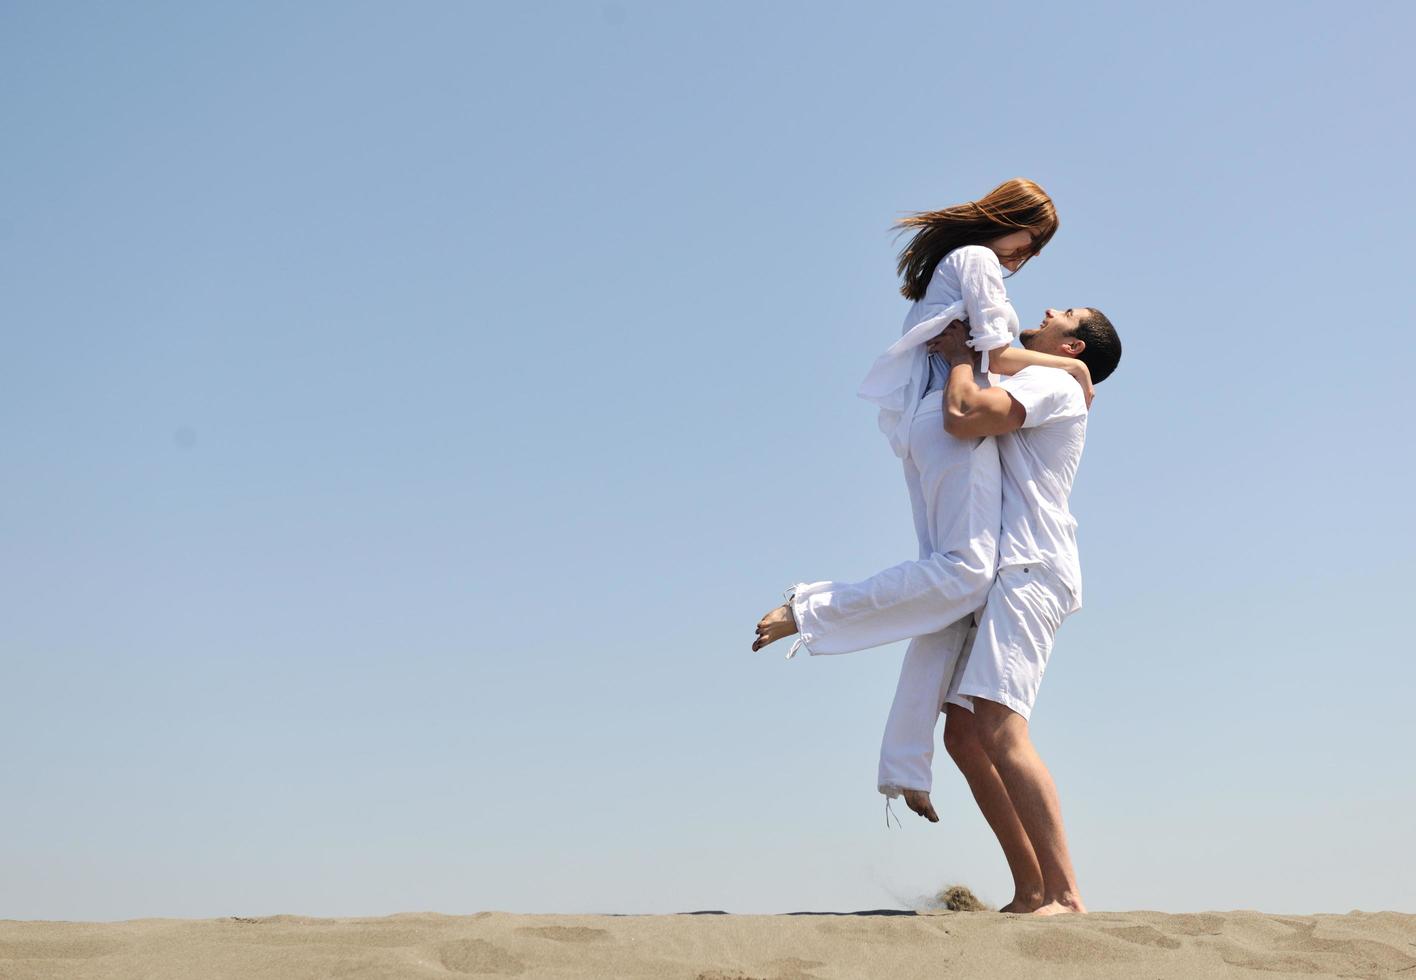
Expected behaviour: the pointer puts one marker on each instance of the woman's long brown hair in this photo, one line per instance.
(1013, 205)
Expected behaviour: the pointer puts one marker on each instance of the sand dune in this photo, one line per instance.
(1130, 945)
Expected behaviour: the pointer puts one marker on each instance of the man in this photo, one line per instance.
(1039, 418)
(935, 592)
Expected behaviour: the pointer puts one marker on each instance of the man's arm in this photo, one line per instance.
(971, 411)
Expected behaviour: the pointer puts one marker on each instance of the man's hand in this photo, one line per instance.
(952, 343)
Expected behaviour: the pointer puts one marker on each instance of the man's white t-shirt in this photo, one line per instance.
(1039, 464)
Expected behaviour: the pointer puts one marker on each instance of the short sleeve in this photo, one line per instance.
(1047, 395)
(992, 321)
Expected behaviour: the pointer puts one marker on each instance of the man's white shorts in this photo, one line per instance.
(1015, 632)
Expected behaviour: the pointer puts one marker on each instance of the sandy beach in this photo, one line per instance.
(711, 946)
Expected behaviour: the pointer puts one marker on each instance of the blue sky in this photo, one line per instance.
(408, 411)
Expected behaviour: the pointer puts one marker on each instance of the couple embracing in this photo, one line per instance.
(990, 436)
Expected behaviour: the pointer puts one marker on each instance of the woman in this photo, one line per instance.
(952, 268)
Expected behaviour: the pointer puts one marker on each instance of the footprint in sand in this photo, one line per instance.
(1144, 936)
(1364, 955)
(1053, 945)
(1194, 924)
(479, 956)
(1301, 951)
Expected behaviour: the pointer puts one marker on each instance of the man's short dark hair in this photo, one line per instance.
(1103, 347)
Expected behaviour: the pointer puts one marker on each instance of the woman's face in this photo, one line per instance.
(1013, 248)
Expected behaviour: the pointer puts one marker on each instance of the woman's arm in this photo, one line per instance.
(1011, 360)
(991, 318)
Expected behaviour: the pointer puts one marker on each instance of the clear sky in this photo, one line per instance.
(407, 411)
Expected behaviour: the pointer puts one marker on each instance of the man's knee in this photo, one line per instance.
(960, 737)
(997, 728)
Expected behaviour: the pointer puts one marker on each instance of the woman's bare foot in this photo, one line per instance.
(918, 802)
(772, 627)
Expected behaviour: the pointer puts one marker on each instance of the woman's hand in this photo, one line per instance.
(1078, 370)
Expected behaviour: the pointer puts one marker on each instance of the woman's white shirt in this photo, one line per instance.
(967, 284)
(974, 275)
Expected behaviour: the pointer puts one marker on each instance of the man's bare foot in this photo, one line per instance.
(1063, 906)
(772, 627)
(1023, 904)
(918, 802)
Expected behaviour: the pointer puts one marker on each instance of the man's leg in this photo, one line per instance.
(1003, 735)
(962, 743)
(1000, 680)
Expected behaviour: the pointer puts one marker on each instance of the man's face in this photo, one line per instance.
(1054, 334)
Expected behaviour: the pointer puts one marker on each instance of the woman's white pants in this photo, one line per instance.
(955, 492)
(907, 749)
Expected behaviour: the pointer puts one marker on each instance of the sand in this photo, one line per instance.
(978, 945)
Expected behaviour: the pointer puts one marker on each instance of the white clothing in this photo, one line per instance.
(1004, 664)
(967, 284)
(907, 749)
(955, 493)
(1039, 576)
(1039, 464)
